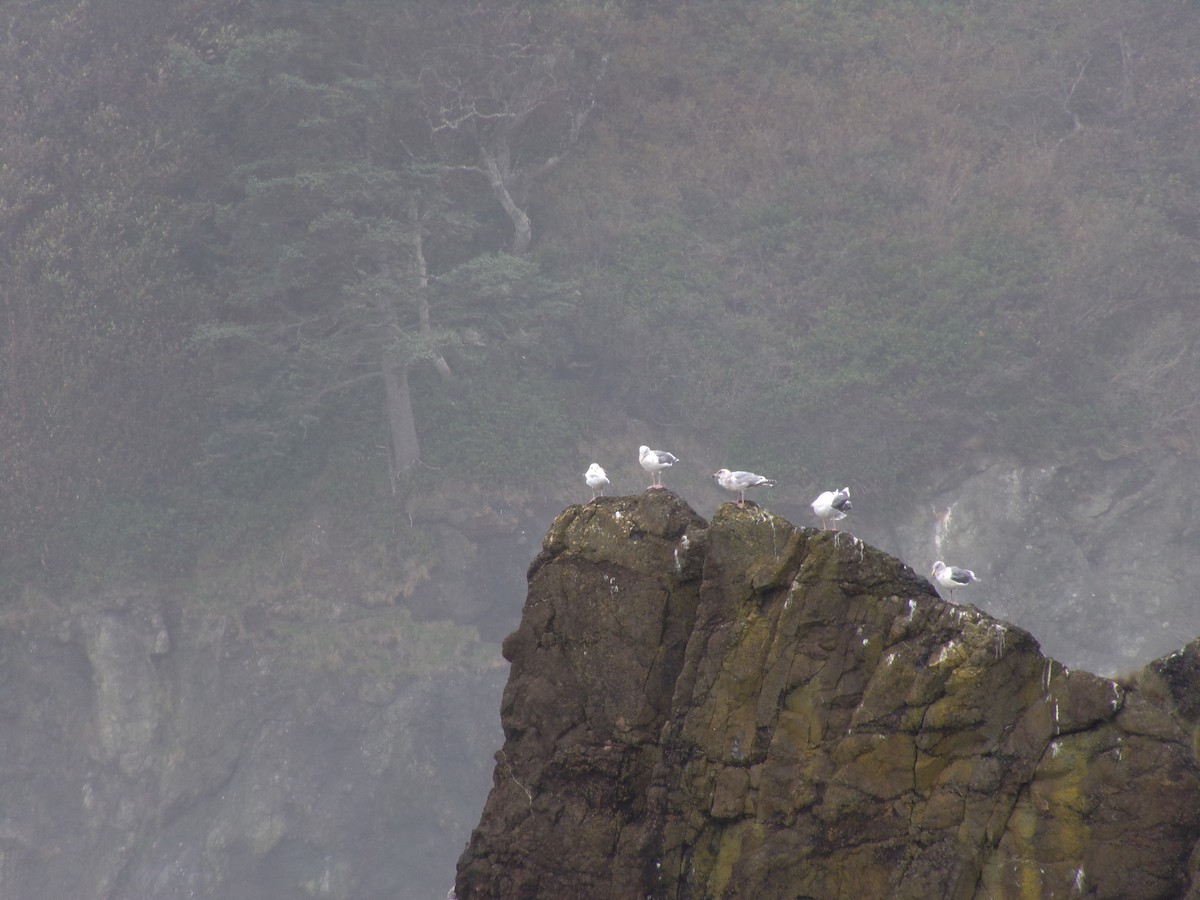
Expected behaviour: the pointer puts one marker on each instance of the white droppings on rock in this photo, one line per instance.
(944, 653)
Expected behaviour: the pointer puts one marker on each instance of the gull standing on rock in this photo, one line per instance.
(951, 577)
(738, 482)
(654, 461)
(597, 479)
(832, 505)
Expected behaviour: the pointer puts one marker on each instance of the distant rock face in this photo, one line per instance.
(1070, 543)
(153, 753)
(750, 709)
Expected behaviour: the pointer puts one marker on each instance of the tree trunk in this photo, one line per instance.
(499, 175)
(421, 272)
(402, 427)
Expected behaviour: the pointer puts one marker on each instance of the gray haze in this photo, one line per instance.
(315, 315)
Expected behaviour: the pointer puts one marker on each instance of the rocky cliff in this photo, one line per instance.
(750, 709)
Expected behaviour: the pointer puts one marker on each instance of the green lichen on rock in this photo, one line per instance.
(784, 712)
(652, 532)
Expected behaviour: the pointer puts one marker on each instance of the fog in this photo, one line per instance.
(315, 315)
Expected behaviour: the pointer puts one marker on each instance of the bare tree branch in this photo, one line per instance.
(490, 90)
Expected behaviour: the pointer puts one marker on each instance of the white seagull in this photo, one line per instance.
(951, 577)
(832, 505)
(740, 481)
(597, 479)
(654, 461)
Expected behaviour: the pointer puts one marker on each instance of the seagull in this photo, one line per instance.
(740, 481)
(596, 479)
(654, 461)
(951, 577)
(832, 505)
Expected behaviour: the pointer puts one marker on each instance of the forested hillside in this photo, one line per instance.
(435, 243)
(315, 311)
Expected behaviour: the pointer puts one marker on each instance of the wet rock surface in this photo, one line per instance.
(750, 709)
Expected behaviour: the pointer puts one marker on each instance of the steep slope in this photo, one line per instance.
(757, 710)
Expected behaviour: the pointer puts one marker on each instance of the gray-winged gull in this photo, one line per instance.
(832, 505)
(738, 482)
(951, 577)
(654, 461)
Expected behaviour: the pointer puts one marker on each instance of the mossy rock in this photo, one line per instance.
(807, 718)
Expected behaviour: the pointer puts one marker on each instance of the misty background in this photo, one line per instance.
(314, 314)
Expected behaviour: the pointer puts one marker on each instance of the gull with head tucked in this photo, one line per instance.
(832, 505)
(654, 461)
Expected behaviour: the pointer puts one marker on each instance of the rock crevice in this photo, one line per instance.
(750, 709)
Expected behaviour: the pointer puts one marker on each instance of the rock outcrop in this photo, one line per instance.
(750, 709)
(1087, 532)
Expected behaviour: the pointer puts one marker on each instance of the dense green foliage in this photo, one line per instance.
(833, 240)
